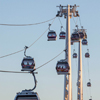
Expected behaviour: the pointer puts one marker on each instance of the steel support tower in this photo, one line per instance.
(79, 81)
(80, 78)
(68, 81)
(67, 12)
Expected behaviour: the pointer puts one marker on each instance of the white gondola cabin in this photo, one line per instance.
(62, 35)
(52, 36)
(84, 42)
(27, 95)
(75, 36)
(62, 67)
(88, 84)
(28, 64)
(87, 55)
(74, 55)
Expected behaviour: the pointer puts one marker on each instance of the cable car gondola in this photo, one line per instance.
(88, 84)
(27, 95)
(28, 63)
(75, 36)
(87, 55)
(84, 42)
(62, 34)
(62, 67)
(74, 55)
(52, 36)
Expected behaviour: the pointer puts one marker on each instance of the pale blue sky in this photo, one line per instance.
(50, 85)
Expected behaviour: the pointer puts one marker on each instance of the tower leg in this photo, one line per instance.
(80, 83)
(68, 92)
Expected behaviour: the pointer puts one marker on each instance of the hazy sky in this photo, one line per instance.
(50, 86)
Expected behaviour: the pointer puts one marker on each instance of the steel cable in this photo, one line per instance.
(12, 71)
(36, 68)
(88, 68)
(29, 46)
(50, 60)
(61, 23)
(84, 75)
(75, 22)
(42, 34)
(12, 53)
(80, 20)
(27, 24)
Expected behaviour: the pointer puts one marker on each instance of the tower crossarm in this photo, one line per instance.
(63, 11)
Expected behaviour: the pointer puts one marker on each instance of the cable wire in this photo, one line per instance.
(49, 60)
(84, 75)
(75, 22)
(80, 20)
(29, 46)
(61, 23)
(12, 53)
(27, 24)
(88, 69)
(36, 68)
(42, 34)
(89, 76)
(15, 72)
(12, 71)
